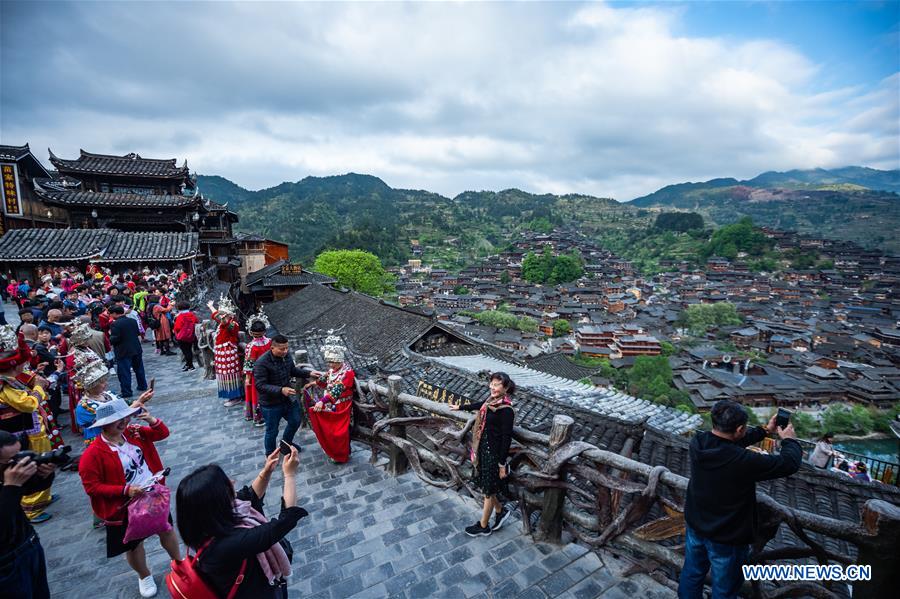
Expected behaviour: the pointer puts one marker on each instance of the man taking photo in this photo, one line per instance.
(23, 569)
(720, 507)
(272, 374)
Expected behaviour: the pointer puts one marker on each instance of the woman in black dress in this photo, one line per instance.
(491, 437)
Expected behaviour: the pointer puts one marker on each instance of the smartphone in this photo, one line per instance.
(152, 383)
(783, 418)
(285, 447)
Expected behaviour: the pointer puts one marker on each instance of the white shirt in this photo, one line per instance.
(137, 473)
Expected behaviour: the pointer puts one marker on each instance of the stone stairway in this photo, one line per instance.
(368, 534)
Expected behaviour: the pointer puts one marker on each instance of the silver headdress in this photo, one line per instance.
(9, 341)
(226, 306)
(258, 317)
(333, 350)
(81, 333)
(89, 368)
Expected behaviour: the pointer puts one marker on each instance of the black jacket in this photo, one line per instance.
(125, 337)
(15, 528)
(270, 374)
(221, 561)
(498, 428)
(48, 355)
(721, 497)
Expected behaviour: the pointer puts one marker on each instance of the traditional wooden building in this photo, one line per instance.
(257, 252)
(277, 282)
(22, 208)
(124, 193)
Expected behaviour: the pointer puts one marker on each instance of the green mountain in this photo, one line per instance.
(362, 212)
(854, 203)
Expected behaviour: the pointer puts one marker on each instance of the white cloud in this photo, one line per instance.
(597, 99)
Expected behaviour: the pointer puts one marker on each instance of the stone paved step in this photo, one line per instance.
(368, 534)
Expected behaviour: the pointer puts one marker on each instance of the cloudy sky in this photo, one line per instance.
(614, 99)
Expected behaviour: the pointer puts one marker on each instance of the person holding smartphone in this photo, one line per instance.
(720, 506)
(117, 467)
(232, 536)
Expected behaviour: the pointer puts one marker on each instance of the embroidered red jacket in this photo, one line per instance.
(102, 474)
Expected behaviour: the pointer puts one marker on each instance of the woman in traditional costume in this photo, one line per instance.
(258, 345)
(21, 396)
(227, 358)
(330, 415)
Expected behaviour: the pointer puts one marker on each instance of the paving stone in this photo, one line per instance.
(556, 583)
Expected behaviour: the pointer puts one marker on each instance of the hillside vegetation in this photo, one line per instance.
(356, 211)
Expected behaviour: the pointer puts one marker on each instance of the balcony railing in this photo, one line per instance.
(604, 498)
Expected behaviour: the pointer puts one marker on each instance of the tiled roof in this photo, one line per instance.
(13, 153)
(130, 164)
(270, 276)
(104, 245)
(118, 200)
(606, 402)
(377, 328)
(558, 364)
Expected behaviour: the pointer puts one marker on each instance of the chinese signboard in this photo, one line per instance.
(11, 201)
(292, 269)
(435, 393)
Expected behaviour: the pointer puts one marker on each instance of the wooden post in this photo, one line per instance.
(882, 520)
(299, 358)
(549, 527)
(398, 464)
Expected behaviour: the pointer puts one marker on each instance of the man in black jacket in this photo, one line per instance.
(126, 341)
(720, 507)
(23, 569)
(272, 374)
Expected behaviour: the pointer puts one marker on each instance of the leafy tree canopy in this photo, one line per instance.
(354, 269)
(547, 268)
(741, 236)
(700, 318)
(561, 328)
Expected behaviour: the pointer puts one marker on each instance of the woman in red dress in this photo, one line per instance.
(228, 366)
(330, 415)
(259, 344)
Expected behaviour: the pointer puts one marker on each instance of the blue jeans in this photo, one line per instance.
(24, 571)
(272, 416)
(124, 366)
(702, 555)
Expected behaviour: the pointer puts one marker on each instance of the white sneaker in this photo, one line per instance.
(147, 586)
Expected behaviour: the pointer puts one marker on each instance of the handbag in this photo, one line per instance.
(148, 514)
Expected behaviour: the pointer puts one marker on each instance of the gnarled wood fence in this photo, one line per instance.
(604, 498)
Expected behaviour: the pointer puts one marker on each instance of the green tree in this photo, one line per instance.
(699, 318)
(460, 290)
(561, 328)
(805, 425)
(855, 420)
(354, 269)
(741, 236)
(505, 279)
(651, 378)
(565, 269)
(668, 349)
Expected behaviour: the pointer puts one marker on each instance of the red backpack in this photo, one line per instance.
(185, 582)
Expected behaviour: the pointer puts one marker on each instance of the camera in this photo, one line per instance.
(58, 457)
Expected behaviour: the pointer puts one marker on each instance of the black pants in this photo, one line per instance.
(187, 351)
(23, 572)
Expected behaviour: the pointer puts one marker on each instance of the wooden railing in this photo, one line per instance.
(604, 498)
(878, 470)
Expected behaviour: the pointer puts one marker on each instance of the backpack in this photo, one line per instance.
(152, 321)
(185, 582)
